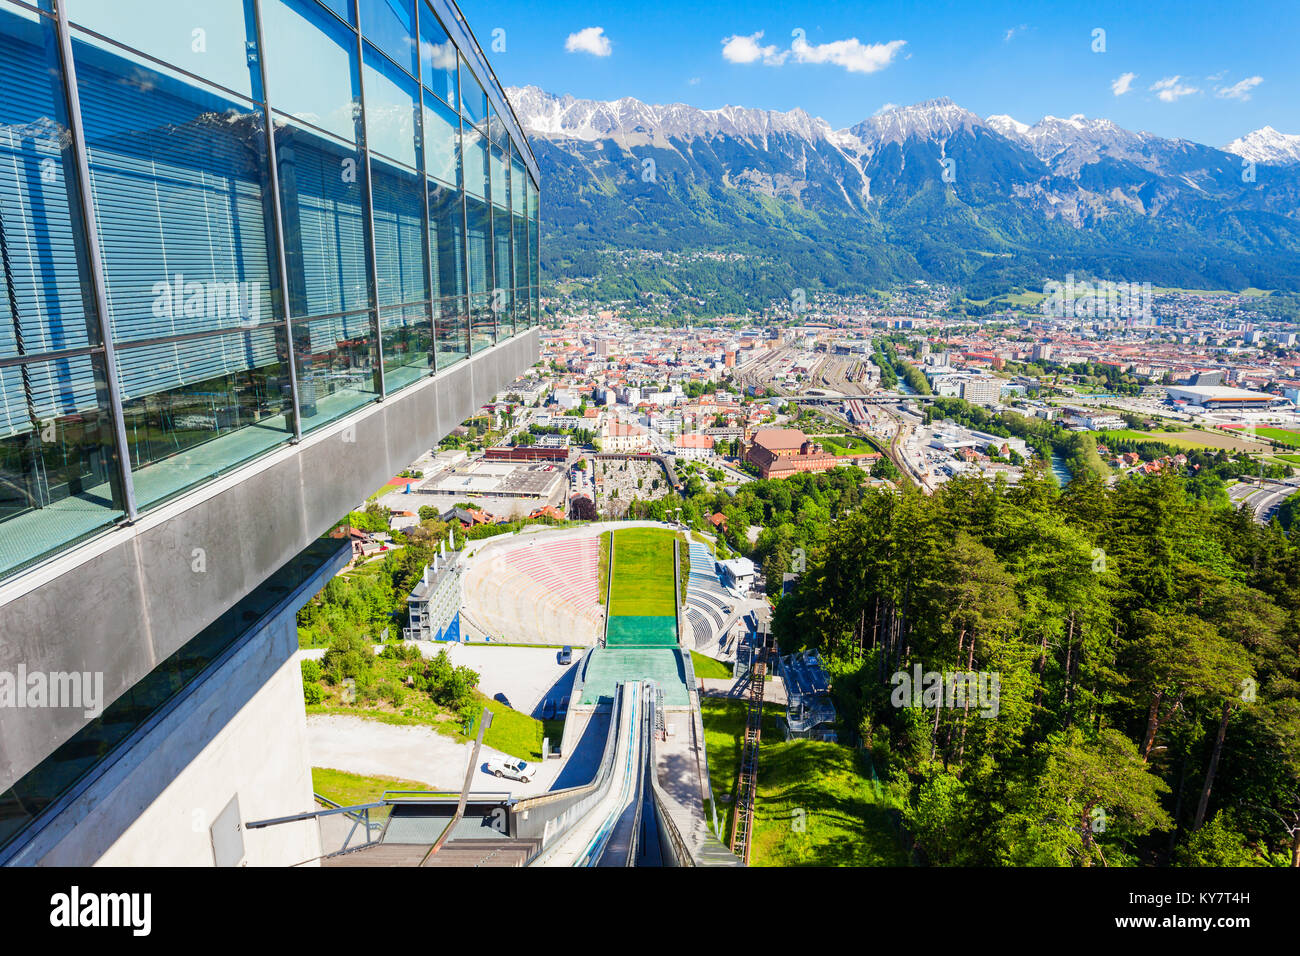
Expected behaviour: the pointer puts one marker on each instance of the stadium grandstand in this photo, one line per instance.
(708, 602)
(809, 712)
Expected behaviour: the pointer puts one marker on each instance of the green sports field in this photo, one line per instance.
(1284, 435)
(643, 574)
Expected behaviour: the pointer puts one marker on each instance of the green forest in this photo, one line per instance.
(1146, 645)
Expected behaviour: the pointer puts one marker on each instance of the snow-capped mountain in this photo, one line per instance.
(1267, 145)
(928, 189)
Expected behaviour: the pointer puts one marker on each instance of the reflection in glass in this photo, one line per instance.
(408, 344)
(58, 471)
(474, 102)
(336, 366)
(438, 59)
(441, 142)
(475, 154)
(446, 241)
(390, 25)
(41, 240)
(197, 407)
(400, 271)
(321, 187)
(311, 65)
(478, 239)
(501, 301)
(451, 330)
(392, 110)
(180, 182)
(209, 38)
(482, 329)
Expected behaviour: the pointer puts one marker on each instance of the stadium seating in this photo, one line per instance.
(567, 567)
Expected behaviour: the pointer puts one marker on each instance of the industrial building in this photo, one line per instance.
(1221, 396)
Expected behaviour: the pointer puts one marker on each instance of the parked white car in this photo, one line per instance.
(520, 770)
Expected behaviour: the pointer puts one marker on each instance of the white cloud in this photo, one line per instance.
(591, 40)
(694, 81)
(1122, 83)
(1239, 90)
(1011, 34)
(1217, 76)
(1171, 89)
(747, 49)
(852, 54)
(886, 108)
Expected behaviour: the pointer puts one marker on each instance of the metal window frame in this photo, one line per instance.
(368, 215)
(77, 138)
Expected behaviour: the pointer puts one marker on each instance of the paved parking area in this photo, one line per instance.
(527, 676)
(370, 747)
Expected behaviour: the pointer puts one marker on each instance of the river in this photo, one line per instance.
(1061, 470)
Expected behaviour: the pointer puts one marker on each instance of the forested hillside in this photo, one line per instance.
(1147, 648)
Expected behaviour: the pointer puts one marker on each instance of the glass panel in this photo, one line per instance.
(500, 193)
(392, 110)
(438, 59)
(482, 323)
(390, 25)
(311, 65)
(336, 366)
(476, 162)
(518, 200)
(197, 407)
(408, 344)
(474, 103)
(480, 249)
(446, 241)
(520, 225)
(537, 305)
(41, 242)
(344, 8)
(179, 180)
(321, 187)
(58, 475)
(501, 289)
(214, 39)
(441, 142)
(452, 331)
(497, 128)
(401, 272)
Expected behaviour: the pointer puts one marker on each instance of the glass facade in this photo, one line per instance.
(228, 198)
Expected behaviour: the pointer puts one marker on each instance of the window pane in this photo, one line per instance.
(321, 185)
(179, 180)
(408, 345)
(58, 478)
(497, 128)
(476, 162)
(452, 331)
(438, 59)
(474, 102)
(482, 323)
(197, 407)
(480, 250)
(401, 272)
(500, 196)
(518, 202)
(311, 65)
(213, 39)
(390, 25)
(336, 367)
(40, 228)
(501, 257)
(441, 142)
(520, 227)
(344, 8)
(446, 241)
(391, 110)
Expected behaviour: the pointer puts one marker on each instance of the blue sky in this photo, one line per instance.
(1204, 71)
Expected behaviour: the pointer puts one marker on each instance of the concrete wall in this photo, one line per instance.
(241, 731)
(126, 600)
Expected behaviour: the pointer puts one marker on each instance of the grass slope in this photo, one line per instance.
(709, 667)
(815, 806)
(643, 573)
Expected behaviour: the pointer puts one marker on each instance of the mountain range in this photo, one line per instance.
(929, 191)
